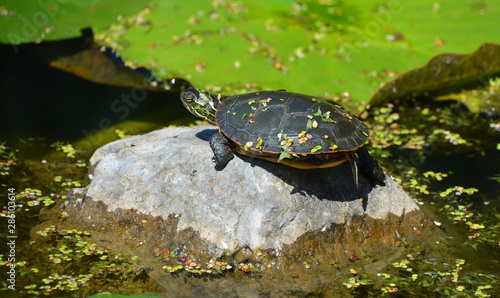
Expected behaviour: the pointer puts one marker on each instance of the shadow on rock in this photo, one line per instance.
(334, 184)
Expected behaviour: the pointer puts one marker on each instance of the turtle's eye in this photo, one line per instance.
(188, 96)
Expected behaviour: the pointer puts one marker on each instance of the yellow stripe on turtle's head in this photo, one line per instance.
(201, 104)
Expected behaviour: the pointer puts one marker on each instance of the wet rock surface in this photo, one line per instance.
(251, 203)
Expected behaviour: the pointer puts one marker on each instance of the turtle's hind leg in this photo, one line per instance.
(370, 166)
(220, 147)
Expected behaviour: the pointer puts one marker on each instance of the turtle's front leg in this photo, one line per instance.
(220, 147)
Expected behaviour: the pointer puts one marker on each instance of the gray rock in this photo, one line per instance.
(251, 203)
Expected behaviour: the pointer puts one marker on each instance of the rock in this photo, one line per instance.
(250, 203)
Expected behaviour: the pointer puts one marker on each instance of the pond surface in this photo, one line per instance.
(45, 106)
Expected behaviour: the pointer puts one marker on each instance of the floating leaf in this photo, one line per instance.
(443, 74)
(317, 148)
(311, 123)
(318, 113)
(259, 143)
(284, 155)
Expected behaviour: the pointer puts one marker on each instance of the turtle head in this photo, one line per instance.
(201, 104)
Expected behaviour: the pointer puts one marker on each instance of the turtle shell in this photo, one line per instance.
(269, 123)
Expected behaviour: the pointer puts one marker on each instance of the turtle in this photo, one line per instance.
(294, 129)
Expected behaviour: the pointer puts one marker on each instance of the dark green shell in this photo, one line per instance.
(272, 122)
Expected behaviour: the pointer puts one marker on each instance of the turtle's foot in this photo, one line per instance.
(221, 163)
(378, 173)
(222, 152)
(370, 167)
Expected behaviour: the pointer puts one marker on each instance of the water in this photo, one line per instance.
(42, 105)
